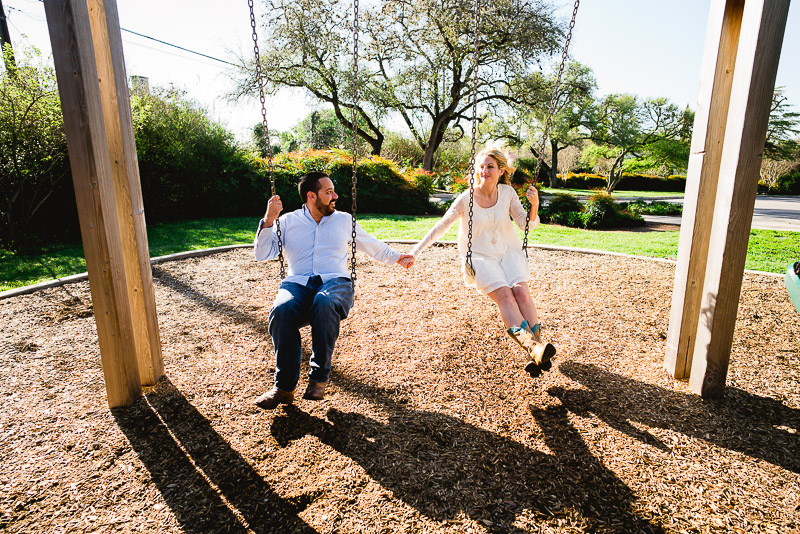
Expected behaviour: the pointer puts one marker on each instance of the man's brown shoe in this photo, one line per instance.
(315, 391)
(273, 397)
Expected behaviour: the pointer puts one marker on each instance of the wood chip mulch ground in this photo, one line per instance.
(429, 424)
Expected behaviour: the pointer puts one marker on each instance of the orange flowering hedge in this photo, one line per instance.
(381, 187)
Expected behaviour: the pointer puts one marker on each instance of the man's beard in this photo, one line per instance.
(324, 209)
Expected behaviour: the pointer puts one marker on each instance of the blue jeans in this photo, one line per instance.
(320, 305)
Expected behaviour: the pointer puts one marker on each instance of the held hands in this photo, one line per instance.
(406, 260)
(274, 208)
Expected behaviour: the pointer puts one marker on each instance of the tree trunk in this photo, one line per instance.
(554, 165)
(544, 169)
(435, 140)
(376, 143)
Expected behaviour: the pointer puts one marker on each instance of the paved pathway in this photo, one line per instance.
(770, 213)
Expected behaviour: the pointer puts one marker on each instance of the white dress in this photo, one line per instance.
(497, 255)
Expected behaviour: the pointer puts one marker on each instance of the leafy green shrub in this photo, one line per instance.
(655, 207)
(788, 184)
(645, 182)
(629, 182)
(423, 179)
(573, 219)
(189, 165)
(406, 152)
(35, 190)
(599, 211)
(559, 204)
(381, 188)
(602, 211)
(583, 181)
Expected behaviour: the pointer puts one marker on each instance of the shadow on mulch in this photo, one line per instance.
(233, 313)
(740, 421)
(197, 471)
(441, 465)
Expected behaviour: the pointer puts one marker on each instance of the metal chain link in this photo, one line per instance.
(268, 147)
(355, 140)
(475, 56)
(549, 120)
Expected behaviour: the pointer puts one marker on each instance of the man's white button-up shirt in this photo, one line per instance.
(318, 249)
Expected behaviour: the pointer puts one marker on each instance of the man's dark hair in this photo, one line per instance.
(310, 184)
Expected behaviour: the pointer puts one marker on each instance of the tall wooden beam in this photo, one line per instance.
(757, 58)
(91, 77)
(113, 80)
(716, 80)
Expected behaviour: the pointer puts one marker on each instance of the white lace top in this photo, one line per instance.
(493, 233)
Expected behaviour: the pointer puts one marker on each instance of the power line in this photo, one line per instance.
(148, 37)
(179, 47)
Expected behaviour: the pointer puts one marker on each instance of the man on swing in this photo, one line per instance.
(318, 290)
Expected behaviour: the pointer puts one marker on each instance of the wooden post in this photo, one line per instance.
(113, 80)
(757, 58)
(101, 156)
(716, 79)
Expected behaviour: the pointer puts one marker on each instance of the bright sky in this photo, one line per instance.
(650, 48)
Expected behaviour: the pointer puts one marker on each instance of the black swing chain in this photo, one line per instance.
(549, 120)
(267, 145)
(355, 141)
(474, 134)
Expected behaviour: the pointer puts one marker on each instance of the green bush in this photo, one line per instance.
(381, 188)
(35, 187)
(599, 211)
(644, 182)
(788, 184)
(189, 165)
(629, 182)
(655, 207)
(560, 203)
(583, 181)
(573, 219)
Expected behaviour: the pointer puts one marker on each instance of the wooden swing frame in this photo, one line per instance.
(742, 50)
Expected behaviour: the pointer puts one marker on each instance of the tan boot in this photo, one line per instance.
(542, 353)
(273, 397)
(523, 338)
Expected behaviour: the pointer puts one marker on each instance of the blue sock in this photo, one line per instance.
(535, 328)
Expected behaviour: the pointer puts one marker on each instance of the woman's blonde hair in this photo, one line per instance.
(502, 164)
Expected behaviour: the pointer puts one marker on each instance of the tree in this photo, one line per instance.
(571, 101)
(525, 124)
(415, 60)
(190, 166)
(33, 151)
(783, 126)
(625, 130)
(772, 170)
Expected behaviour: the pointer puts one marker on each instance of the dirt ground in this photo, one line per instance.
(429, 424)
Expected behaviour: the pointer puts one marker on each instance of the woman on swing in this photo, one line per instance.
(500, 265)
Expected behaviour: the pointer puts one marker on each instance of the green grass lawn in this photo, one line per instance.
(768, 250)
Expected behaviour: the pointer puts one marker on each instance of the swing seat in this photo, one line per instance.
(793, 283)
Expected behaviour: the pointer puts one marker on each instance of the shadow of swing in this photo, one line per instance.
(207, 484)
(760, 427)
(443, 466)
(231, 313)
